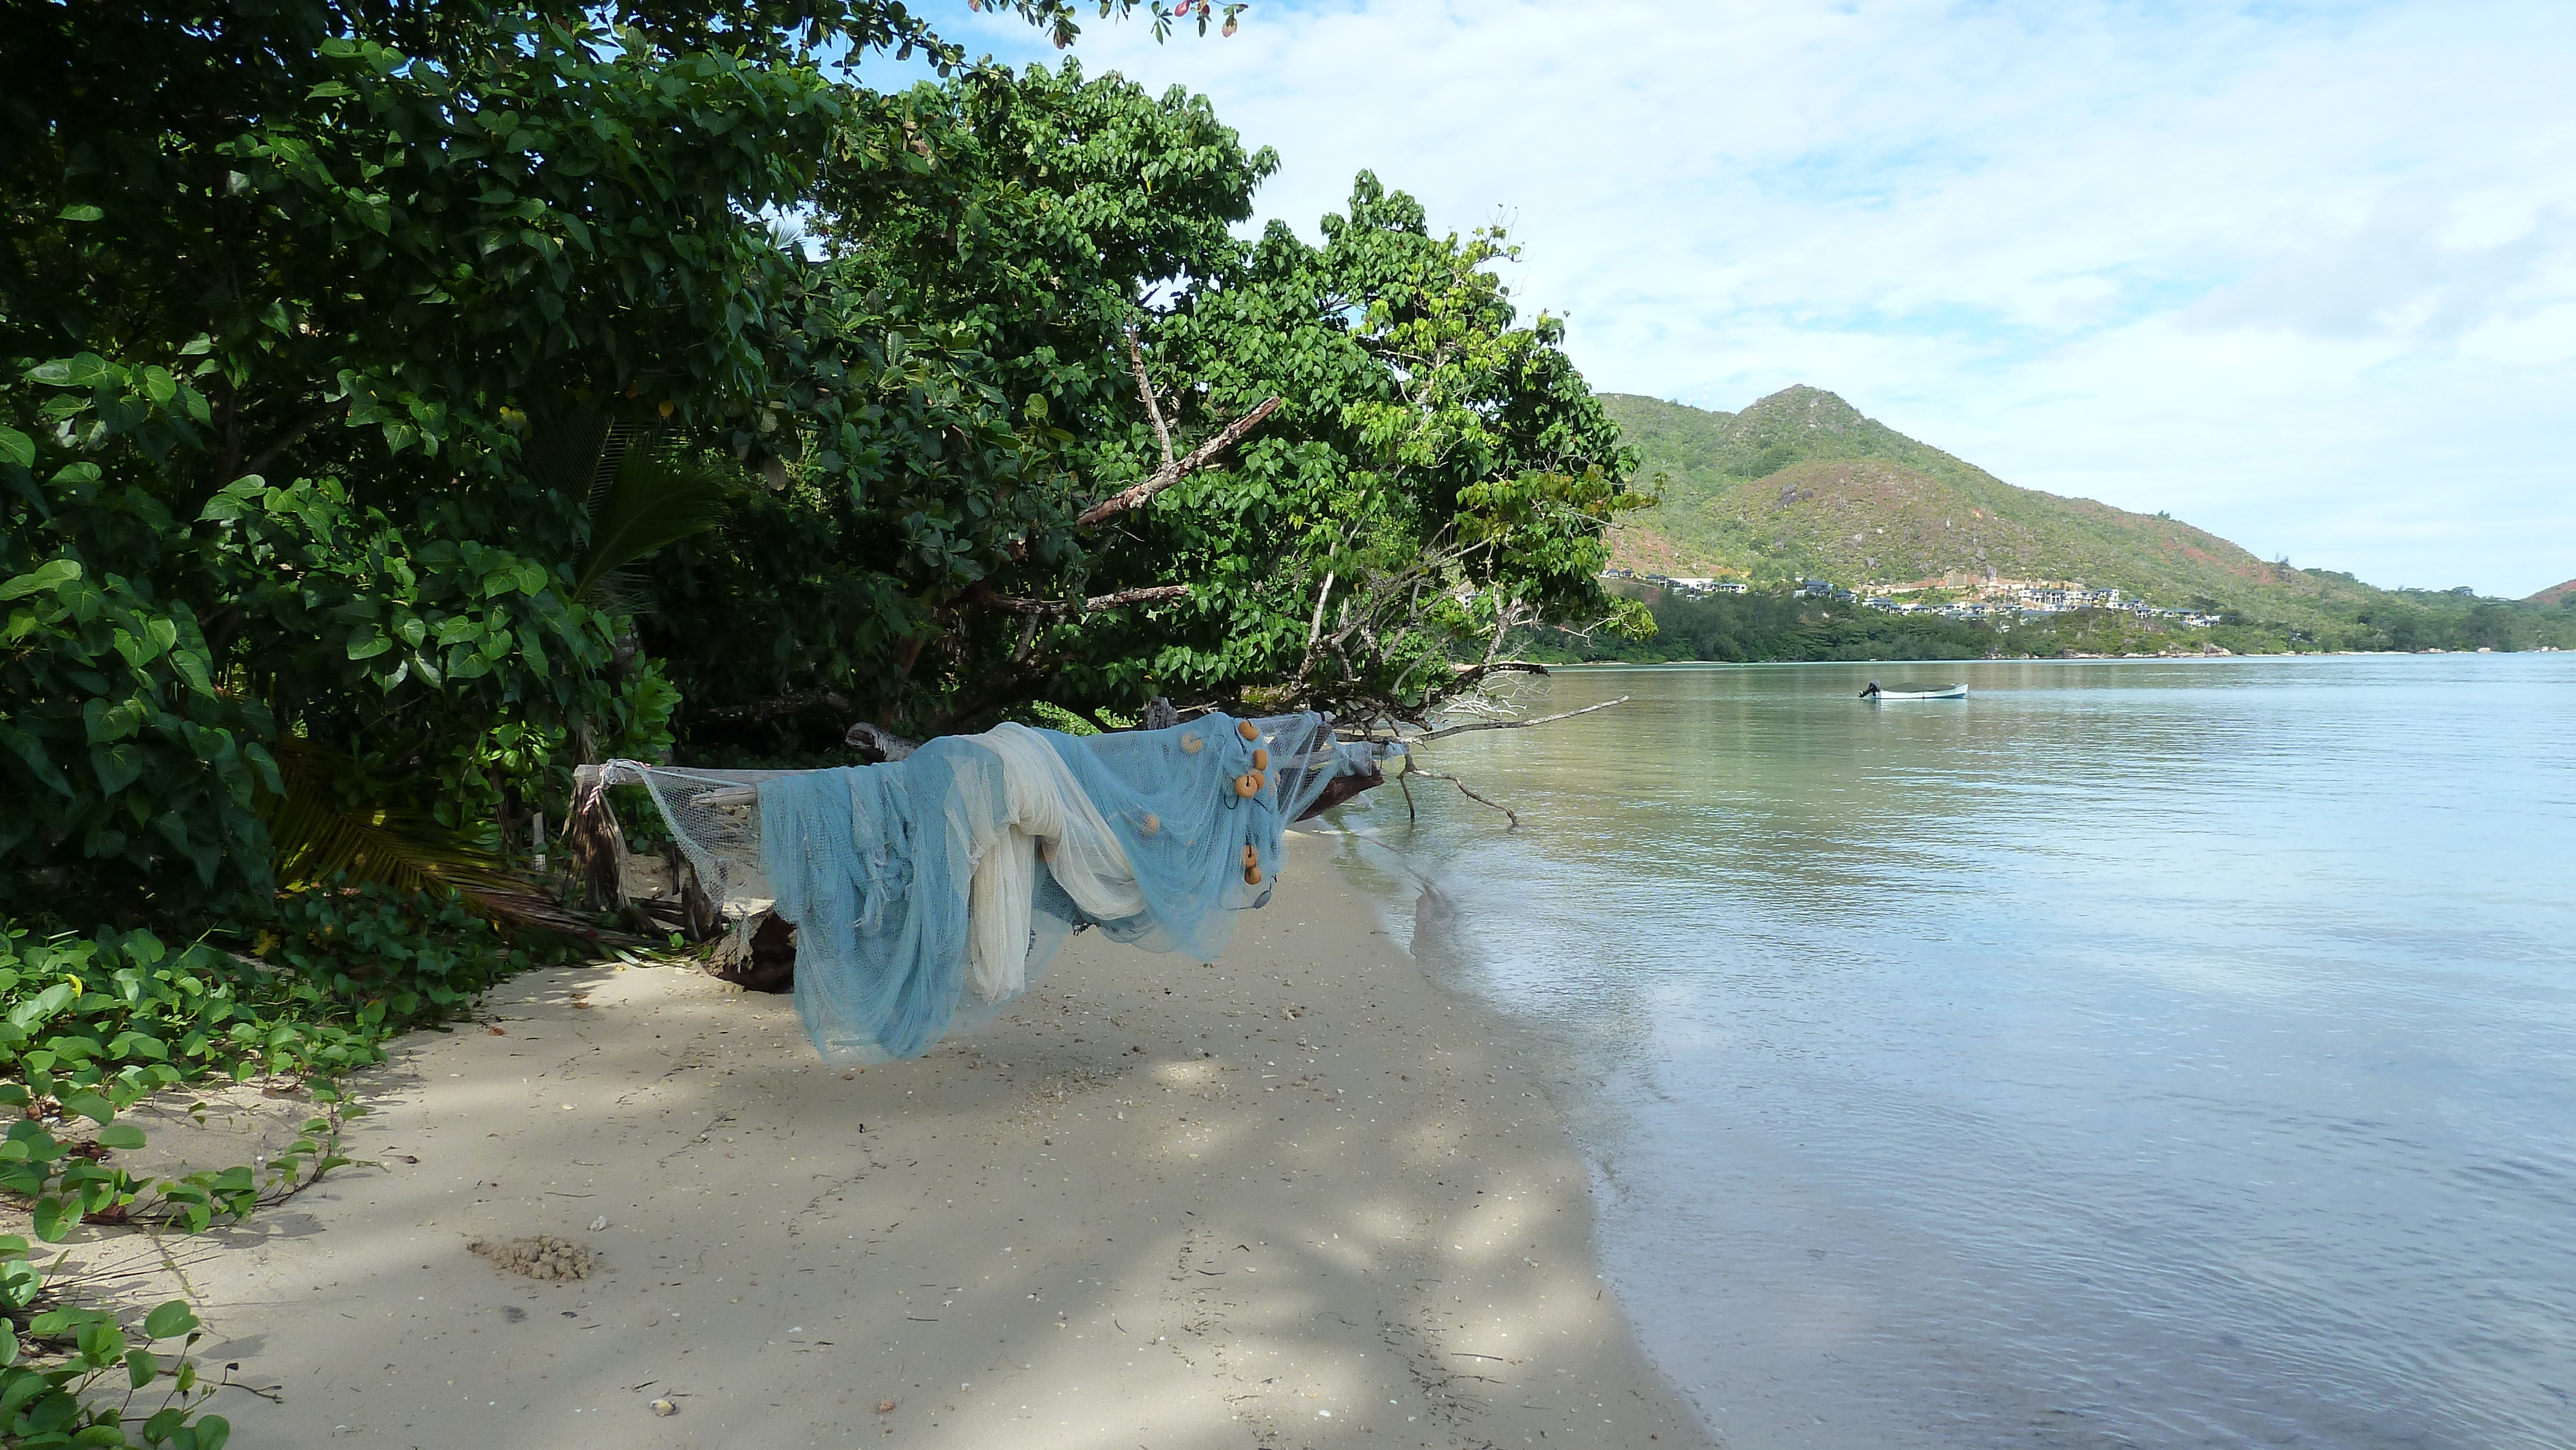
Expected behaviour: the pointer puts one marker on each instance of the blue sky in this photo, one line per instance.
(2302, 274)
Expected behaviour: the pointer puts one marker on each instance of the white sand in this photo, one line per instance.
(1296, 1198)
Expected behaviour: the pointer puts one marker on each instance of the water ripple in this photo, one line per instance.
(2130, 1055)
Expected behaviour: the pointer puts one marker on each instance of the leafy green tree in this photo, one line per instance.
(328, 323)
(286, 294)
(1439, 477)
(965, 398)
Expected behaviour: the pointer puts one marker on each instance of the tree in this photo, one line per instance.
(1439, 478)
(329, 325)
(286, 294)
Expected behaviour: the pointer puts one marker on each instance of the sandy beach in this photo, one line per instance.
(1298, 1197)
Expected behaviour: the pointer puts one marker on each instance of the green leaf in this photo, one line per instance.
(118, 766)
(82, 370)
(45, 576)
(120, 1135)
(170, 1320)
(142, 1367)
(79, 212)
(31, 750)
(17, 447)
(91, 1106)
(53, 1218)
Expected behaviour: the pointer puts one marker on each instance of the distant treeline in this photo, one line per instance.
(1785, 626)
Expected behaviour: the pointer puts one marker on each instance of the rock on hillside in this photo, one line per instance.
(2554, 594)
(1801, 483)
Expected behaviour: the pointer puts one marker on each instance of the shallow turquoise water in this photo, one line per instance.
(2134, 1053)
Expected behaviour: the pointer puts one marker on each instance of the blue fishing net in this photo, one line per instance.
(930, 892)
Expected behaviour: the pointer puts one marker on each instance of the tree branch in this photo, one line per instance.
(1508, 813)
(1004, 687)
(785, 703)
(1145, 390)
(1466, 675)
(1013, 604)
(1514, 725)
(1172, 473)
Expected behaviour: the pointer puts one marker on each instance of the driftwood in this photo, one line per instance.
(876, 744)
(1341, 788)
(758, 955)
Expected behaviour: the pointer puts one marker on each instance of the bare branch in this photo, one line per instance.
(1515, 725)
(1508, 813)
(1172, 473)
(786, 703)
(1145, 390)
(1013, 604)
(1470, 674)
(1315, 627)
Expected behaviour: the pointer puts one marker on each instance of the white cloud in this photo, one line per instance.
(2300, 274)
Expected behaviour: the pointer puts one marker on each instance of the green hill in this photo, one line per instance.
(1800, 484)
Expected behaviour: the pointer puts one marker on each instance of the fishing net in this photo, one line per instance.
(928, 893)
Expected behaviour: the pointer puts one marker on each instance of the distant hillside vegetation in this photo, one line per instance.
(2554, 594)
(1800, 484)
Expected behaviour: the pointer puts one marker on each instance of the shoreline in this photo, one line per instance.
(1300, 1197)
(1616, 666)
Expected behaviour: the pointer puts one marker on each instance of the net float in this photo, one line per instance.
(1248, 730)
(1251, 875)
(1149, 825)
(1260, 758)
(1251, 857)
(1248, 784)
(1191, 744)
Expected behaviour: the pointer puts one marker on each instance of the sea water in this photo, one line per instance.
(2130, 1054)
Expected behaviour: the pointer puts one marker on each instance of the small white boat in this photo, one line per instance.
(1946, 692)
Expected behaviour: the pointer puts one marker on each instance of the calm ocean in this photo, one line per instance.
(2135, 1053)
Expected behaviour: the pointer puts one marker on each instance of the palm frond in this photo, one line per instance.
(313, 837)
(654, 495)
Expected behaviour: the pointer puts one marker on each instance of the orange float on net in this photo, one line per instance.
(1260, 759)
(1248, 785)
(1248, 730)
(1191, 744)
(1251, 875)
(1251, 857)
